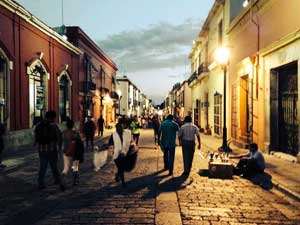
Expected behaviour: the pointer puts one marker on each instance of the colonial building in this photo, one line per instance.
(132, 102)
(41, 69)
(97, 78)
(206, 80)
(264, 73)
(38, 72)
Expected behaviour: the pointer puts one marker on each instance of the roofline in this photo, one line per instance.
(23, 13)
(97, 48)
(125, 78)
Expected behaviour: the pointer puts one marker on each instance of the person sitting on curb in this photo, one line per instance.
(251, 163)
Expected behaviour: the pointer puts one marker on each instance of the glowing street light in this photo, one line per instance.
(222, 58)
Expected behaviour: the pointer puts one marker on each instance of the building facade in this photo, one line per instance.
(38, 72)
(264, 73)
(97, 78)
(132, 102)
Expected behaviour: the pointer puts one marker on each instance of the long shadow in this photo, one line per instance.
(78, 200)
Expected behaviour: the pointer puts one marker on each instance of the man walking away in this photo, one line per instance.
(156, 124)
(89, 132)
(100, 123)
(167, 142)
(186, 136)
(48, 139)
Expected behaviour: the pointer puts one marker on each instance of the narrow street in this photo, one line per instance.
(151, 197)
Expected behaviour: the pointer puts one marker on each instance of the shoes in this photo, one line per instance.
(170, 173)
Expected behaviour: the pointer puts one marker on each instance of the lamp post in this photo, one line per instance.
(222, 58)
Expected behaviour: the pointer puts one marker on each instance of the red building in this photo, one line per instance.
(97, 74)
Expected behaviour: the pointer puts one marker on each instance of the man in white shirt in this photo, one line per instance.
(186, 136)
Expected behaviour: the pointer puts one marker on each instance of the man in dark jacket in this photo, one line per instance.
(89, 132)
(167, 142)
(48, 140)
(100, 123)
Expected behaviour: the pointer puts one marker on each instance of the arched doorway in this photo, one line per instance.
(38, 91)
(64, 96)
(4, 85)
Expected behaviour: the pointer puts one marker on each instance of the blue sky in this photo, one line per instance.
(148, 39)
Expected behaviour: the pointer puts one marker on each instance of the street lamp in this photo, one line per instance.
(222, 58)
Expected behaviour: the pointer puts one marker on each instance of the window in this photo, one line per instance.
(220, 33)
(3, 89)
(64, 96)
(217, 113)
(236, 6)
(37, 92)
(197, 113)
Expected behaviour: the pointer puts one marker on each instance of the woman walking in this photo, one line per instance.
(120, 141)
(73, 149)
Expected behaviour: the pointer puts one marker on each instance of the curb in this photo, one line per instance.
(286, 191)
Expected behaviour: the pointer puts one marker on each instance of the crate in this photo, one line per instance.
(223, 170)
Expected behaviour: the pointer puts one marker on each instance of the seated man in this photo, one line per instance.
(250, 164)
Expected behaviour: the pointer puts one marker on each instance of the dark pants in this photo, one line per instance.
(248, 168)
(155, 136)
(45, 158)
(100, 131)
(136, 138)
(169, 155)
(89, 137)
(120, 166)
(1, 148)
(188, 150)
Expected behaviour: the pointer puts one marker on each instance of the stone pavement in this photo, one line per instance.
(151, 197)
(282, 167)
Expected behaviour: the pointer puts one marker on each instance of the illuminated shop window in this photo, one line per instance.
(64, 96)
(37, 92)
(3, 88)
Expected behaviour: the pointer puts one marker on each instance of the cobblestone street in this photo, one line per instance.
(151, 197)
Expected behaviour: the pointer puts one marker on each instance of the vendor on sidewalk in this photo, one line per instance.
(251, 163)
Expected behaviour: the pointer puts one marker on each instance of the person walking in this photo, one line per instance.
(89, 132)
(135, 129)
(73, 150)
(48, 140)
(156, 124)
(2, 132)
(120, 141)
(186, 136)
(167, 142)
(100, 123)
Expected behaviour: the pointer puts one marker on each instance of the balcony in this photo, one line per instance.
(88, 86)
(201, 69)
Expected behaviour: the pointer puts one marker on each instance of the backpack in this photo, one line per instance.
(44, 133)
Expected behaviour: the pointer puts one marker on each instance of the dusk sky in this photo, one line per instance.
(149, 40)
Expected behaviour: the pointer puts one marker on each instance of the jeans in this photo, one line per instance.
(188, 150)
(169, 155)
(45, 158)
(136, 138)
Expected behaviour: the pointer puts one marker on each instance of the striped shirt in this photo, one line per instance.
(188, 131)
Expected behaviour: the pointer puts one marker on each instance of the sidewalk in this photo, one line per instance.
(19, 157)
(284, 172)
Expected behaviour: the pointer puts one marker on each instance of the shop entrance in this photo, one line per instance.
(283, 109)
